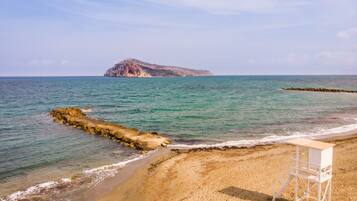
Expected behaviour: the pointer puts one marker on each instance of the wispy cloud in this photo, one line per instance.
(236, 7)
(47, 62)
(122, 12)
(334, 57)
(269, 36)
(155, 14)
(348, 33)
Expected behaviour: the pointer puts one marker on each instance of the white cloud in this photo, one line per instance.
(64, 62)
(46, 62)
(41, 62)
(122, 13)
(252, 61)
(297, 59)
(348, 33)
(235, 7)
(326, 58)
(337, 57)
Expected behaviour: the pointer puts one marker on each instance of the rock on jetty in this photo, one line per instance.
(131, 136)
(320, 90)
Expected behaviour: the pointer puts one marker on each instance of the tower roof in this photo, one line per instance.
(310, 143)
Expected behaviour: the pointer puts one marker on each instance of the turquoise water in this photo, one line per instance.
(191, 110)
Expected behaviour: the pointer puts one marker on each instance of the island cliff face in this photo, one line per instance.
(137, 68)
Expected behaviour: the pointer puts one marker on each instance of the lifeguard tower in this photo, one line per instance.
(312, 170)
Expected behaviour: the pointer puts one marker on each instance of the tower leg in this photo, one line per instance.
(282, 189)
(308, 190)
(319, 192)
(330, 190)
(296, 173)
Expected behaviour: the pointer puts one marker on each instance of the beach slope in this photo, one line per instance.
(231, 174)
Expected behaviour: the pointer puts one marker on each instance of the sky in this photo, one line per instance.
(227, 37)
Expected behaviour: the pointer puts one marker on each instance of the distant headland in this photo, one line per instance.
(136, 68)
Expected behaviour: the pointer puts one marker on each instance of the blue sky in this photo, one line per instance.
(85, 37)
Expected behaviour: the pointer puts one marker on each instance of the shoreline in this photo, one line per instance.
(142, 178)
(122, 175)
(150, 160)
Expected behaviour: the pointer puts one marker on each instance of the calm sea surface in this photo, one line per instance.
(191, 110)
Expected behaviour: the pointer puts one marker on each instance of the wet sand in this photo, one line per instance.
(227, 174)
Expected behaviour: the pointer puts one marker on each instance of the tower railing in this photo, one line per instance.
(312, 169)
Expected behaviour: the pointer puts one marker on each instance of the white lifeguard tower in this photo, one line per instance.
(312, 168)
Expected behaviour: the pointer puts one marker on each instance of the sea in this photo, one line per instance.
(39, 156)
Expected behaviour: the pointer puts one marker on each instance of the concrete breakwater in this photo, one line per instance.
(320, 90)
(130, 136)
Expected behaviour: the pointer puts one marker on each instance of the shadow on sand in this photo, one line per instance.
(247, 194)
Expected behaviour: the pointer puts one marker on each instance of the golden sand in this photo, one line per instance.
(230, 174)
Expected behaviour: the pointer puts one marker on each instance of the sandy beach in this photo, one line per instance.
(177, 100)
(229, 174)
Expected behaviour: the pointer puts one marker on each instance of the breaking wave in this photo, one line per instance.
(38, 188)
(98, 174)
(271, 139)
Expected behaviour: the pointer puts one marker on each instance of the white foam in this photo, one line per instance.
(112, 166)
(102, 172)
(239, 143)
(30, 191)
(86, 110)
(66, 180)
(99, 173)
(271, 139)
(341, 129)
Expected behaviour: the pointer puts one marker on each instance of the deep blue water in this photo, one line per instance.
(191, 110)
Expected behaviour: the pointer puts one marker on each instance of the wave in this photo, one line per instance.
(38, 188)
(86, 110)
(96, 174)
(105, 171)
(272, 139)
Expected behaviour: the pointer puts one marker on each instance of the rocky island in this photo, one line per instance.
(130, 136)
(137, 68)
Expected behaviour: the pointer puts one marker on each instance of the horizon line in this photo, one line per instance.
(34, 76)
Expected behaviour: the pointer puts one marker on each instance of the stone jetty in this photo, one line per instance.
(320, 90)
(132, 137)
